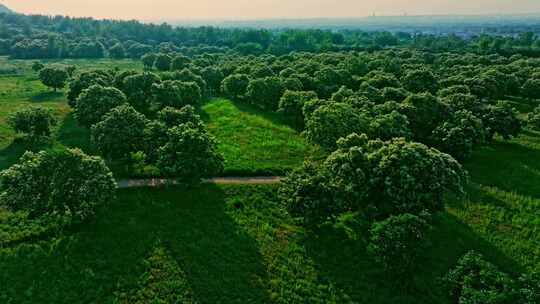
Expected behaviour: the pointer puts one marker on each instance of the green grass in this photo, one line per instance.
(254, 142)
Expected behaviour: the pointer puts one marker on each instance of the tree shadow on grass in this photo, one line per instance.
(106, 258)
(510, 166)
(47, 96)
(72, 135)
(12, 153)
(346, 263)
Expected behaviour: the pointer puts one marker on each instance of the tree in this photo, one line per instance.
(424, 112)
(420, 81)
(148, 60)
(85, 80)
(459, 135)
(265, 93)
(189, 153)
(235, 86)
(180, 62)
(163, 62)
(37, 66)
(213, 77)
(292, 103)
(474, 280)
(172, 117)
(374, 178)
(531, 89)
(119, 133)
(117, 51)
(501, 118)
(95, 102)
(534, 118)
(331, 121)
(138, 90)
(33, 121)
(397, 243)
(176, 93)
(66, 183)
(53, 77)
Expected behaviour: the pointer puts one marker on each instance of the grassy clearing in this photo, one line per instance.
(254, 142)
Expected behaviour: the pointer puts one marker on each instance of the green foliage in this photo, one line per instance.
(424, 112)
(459, 135)
(292, 103)
(65, 183)
(475, 280)
(37, 66)
(265, 93)
(34, 122)
(331, 121)
(84, 80)
(95, 102)
(163, 62)
(534, 118)
(54, 77)
(175, 93)
(148, 60)
(172, 117)
(189, 153)
(377, 178)
(501, 119)
(138, 89)
(117, 51)
(179, 62)
(398, 242)
(235, 86)
(420, 81)
(531, 88)
(119, 133)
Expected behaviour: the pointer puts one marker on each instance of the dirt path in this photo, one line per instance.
(156, 182)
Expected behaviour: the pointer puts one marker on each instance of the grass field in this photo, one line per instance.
(254, 142)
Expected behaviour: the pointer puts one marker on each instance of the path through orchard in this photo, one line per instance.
(157, 182)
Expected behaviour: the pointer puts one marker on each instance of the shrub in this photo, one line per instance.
(95, 102)
(64, 183)
(33, 122)
(37, 66)
(397, 243)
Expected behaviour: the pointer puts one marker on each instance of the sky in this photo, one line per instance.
(264, 9)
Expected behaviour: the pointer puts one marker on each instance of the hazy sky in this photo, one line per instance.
(254, 9)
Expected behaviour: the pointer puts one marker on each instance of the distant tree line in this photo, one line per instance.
(36, 37)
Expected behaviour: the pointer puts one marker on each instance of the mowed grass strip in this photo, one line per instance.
(254, 142)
